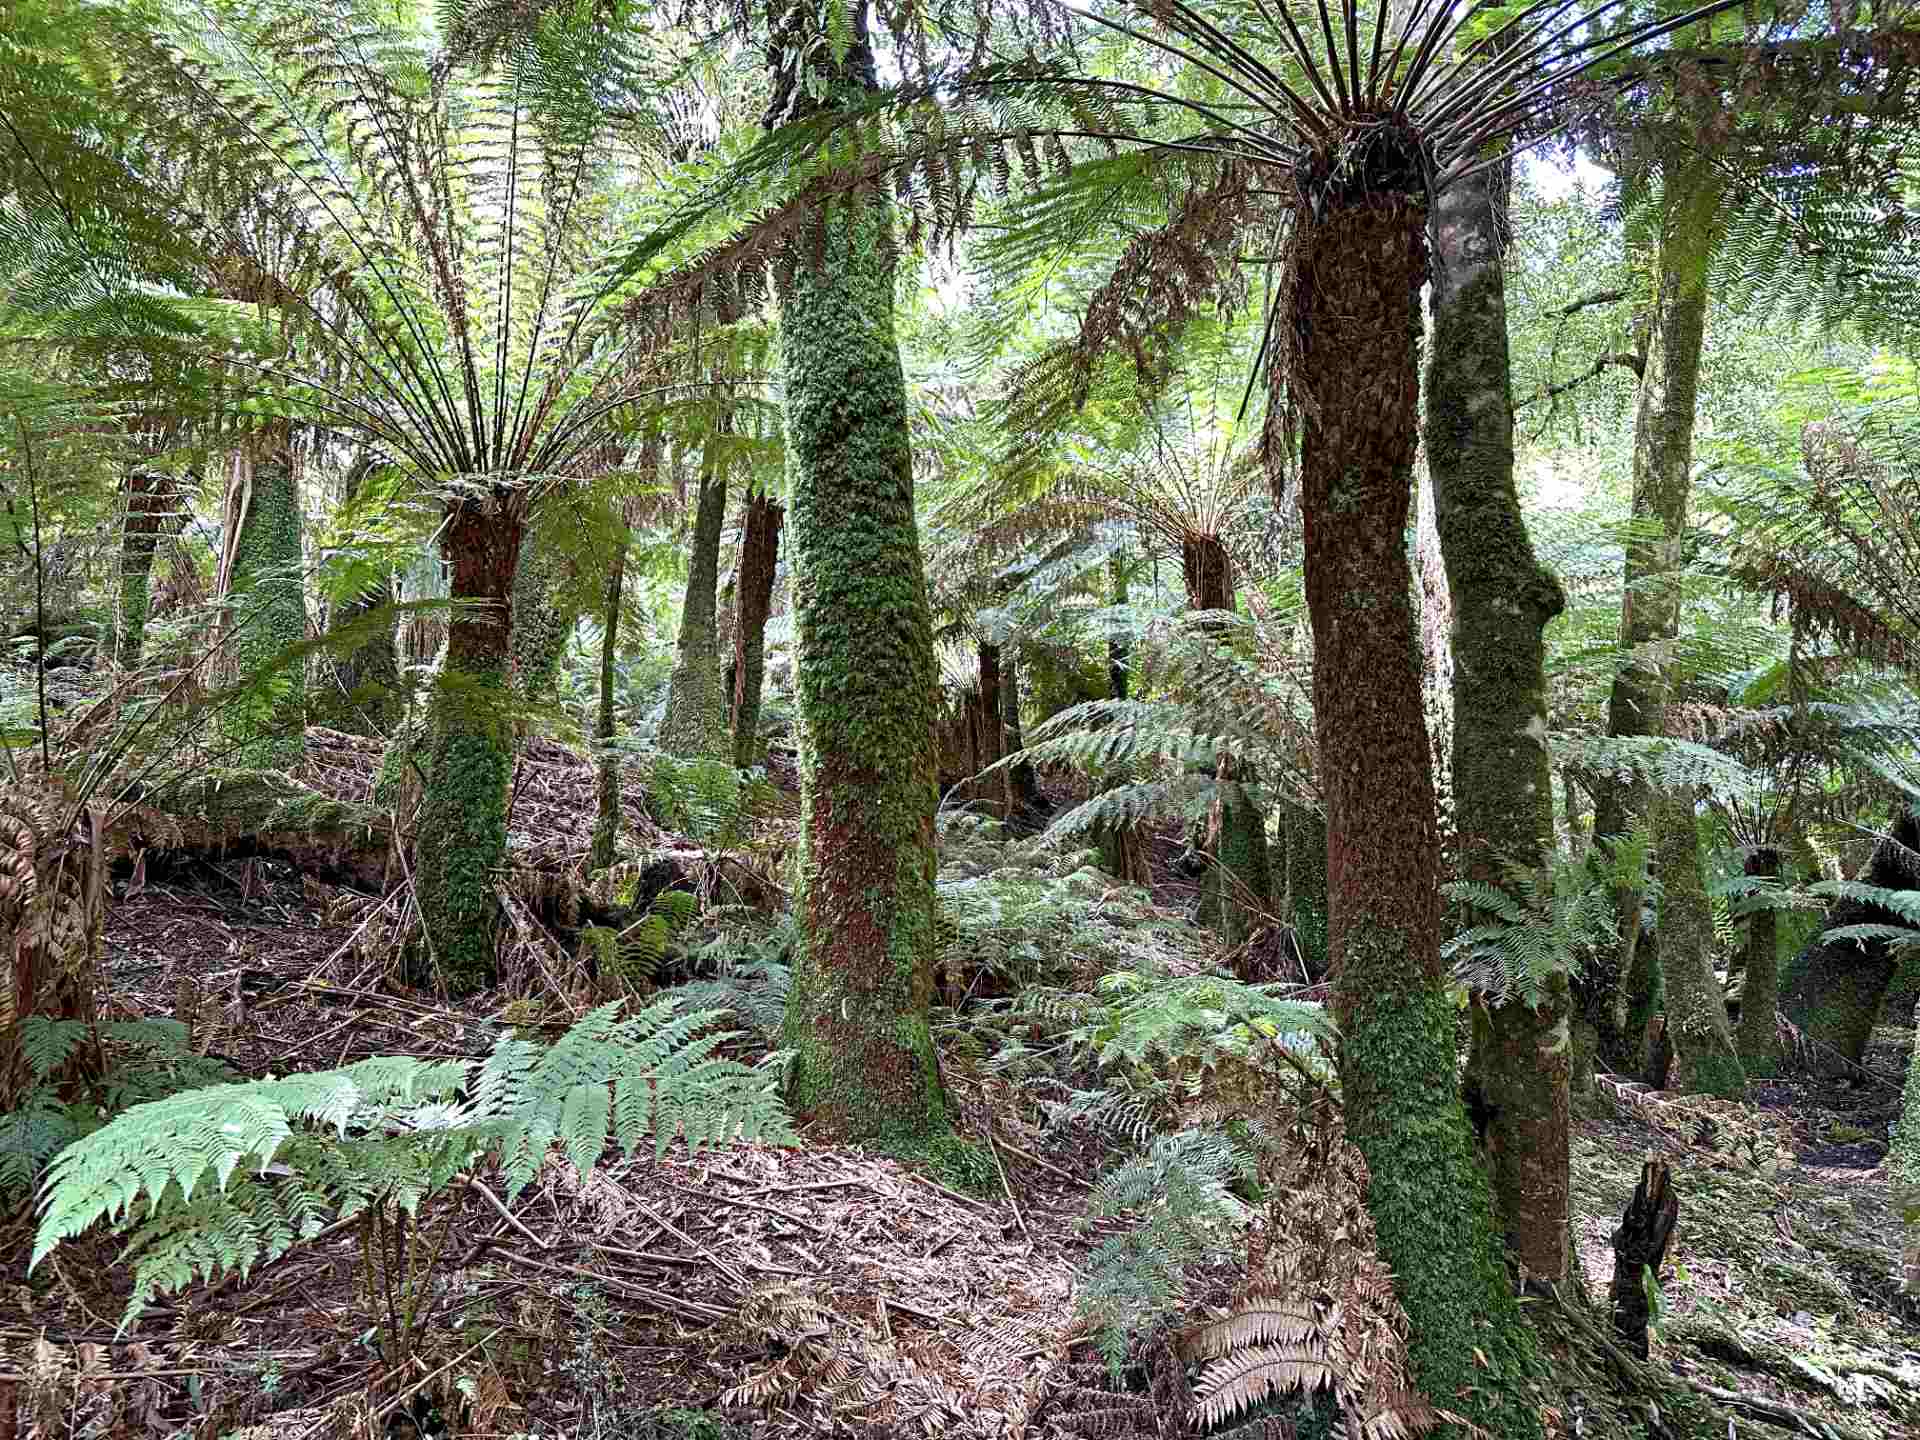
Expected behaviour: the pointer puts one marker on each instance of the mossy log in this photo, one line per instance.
(249, 814)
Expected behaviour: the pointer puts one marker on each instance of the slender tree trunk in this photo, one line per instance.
(1354, 382)
(863, 972)
(1028, 802)
(1436, 647)
(1760, 990)
(267, 727)
(152, 506)
(1705, 1061)
(606, 827)
(540, 625)
(461, 839)
(991, 740)
(695, 726)
(1503, 782)
(1122, 854)
(1237, 892)
(759, 563)
(1650, 607)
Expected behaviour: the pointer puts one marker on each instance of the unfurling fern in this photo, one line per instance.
(1317, 1312)
(219, 1179)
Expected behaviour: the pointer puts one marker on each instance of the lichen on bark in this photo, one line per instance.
(265, 726)
(1704, 1059)
(863, 977)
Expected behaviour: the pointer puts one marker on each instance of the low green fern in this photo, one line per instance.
(223, 1178)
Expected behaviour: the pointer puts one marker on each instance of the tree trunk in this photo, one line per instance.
(759, 563)
(1760, 989)
(1436, 634)
(369, 673)
(992, 739)
(1354, 382)
(1300, 881)
(540, 625)
(1502, 600)
(1650, 605)
(606, 827)
(1029, 804)
(1835, 989)
(50, 930)
(1705, 1061)
(1122, 854)
(461, 839)
(863, 972)
(1640, 1252)
(153, 505)
(266, 725)
(695, 726)
(1236, 894)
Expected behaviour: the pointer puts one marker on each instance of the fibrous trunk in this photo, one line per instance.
(461, 840)
(540, 625)
(695, 726)
(1760, 989)
(1354, 382)
(266, 723)
(759, 563)
(1640, 1252)
(1502, 599)
(863, 971)
(606, 826)
(1236, 894)
(1835, 989)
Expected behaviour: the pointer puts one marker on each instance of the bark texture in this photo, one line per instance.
(153, 507)
(267, 726)
(1502, 600)
(1650, 608)
(369, 673)
(1123, 854)
(461, 839)
(759, 564)
(1354, 379)
(1760, 989)
(1835, 989)
(695, 726)
(1640, 1251)
(863, 972)
(540, 626)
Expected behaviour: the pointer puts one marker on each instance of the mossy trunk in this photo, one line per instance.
(1299, 862)
(1656, 561)
(695, 726)
(266, 726)
(152, 505)
(1029, 803)
(1502, 599)
(461, 837)
(371, 700)
(606, 825)
(1354, 381)
(759, 564)
(1236, 894)
(540, 625)
(863, 973)
(1760, 987)
(1835, 990)
(1704, 1061)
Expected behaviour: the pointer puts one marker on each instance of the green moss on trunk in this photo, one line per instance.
(540, 624)
(863, 969)
(1760, 990)
(1503, 599)
(1354, 384)
(266, 726)
(759, 564)
(1705, 1061)
(460, 838)
(695, 726)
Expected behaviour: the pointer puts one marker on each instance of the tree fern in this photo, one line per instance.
(222, 1179)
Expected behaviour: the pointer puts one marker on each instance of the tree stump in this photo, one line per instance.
(1640, 1248)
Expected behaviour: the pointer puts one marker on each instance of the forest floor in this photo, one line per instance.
(762, 1292)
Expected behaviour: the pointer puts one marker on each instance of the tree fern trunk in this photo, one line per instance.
(696, 721)
(540, 625)
(461, 840)
(266, 726)
(1502, 599)
(1236, 893)
(151, 504)
(1354, 380)
(759, 564)
(863, 971)
(606, 828)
